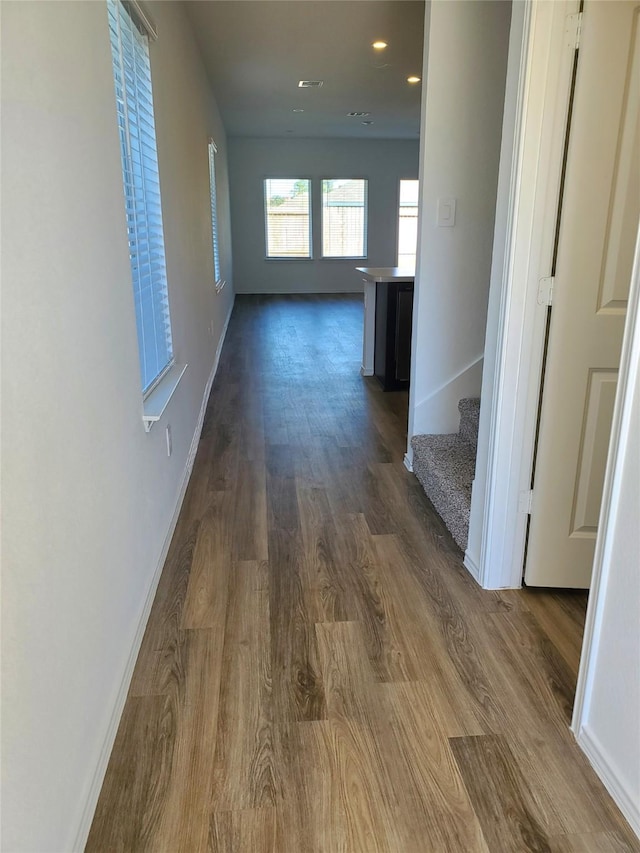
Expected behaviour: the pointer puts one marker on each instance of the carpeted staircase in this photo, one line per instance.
(445, 466)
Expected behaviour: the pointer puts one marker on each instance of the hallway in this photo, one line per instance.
(319, 672)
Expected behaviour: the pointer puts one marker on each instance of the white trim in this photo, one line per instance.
(408, 460)
(609, 777)
(472, 567)
(289, 292)
(543, 100)
(95, 787)
(144, 18)
(155, 404)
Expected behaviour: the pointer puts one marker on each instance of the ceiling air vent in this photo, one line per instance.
(310, 84)
(358, 115)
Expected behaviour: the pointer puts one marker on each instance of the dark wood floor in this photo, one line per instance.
(319, 672)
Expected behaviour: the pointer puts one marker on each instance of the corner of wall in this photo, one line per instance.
(471, 563)
(610, 776)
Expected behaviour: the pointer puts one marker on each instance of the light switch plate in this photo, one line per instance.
(446, 215)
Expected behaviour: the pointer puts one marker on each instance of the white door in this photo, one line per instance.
(599, 222)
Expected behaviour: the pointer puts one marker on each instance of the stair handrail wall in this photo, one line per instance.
(447, 422)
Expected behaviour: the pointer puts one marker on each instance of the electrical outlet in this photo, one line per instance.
(169, 446)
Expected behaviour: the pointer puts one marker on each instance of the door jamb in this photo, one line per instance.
(548, 52)
(620, 436)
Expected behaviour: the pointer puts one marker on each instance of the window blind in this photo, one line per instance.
(287, 212)
(214, 209)
(408, 224)
(134, 102)
(344, 218)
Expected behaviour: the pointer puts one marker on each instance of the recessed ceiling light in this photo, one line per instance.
(366, 122)
(413, 79)
(358, 115)
(297, 111)
(379, 45)
(310, 84)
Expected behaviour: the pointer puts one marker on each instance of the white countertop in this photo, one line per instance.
(386, 273)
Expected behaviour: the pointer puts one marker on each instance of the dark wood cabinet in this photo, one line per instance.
(392, 352)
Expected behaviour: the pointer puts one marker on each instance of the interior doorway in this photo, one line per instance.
(560, 46)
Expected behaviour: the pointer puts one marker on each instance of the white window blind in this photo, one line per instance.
(344, 218)
(214, 210)
(408, 224)
(134, 101)
(287, 213)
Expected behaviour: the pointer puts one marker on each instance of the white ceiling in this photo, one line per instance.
(256, 51)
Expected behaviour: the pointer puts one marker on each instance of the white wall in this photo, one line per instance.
(382, 161)
(466, 45)
(611, 722)
(88, 497)
(608, 696)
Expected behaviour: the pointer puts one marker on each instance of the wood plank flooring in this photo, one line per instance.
(319, 672)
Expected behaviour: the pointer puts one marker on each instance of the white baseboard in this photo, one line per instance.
(472, 567)
(288, 291)
(408, 462)
(98, 777)
(365, 372)
(207, 390)
(594, 751)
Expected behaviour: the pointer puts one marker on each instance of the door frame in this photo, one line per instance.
(621, 436)
(544, 89)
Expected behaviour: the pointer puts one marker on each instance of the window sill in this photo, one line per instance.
(155, 404)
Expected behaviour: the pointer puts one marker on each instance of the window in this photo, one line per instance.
(408, 224)
(134, 101)
(344, 218)
(214, 211)
(287, 213)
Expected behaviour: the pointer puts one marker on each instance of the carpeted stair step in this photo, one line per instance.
(469, 408)
(445, 466)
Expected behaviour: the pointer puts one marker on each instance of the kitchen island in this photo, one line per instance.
(388, 309)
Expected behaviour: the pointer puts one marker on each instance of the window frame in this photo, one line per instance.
(212, 150)
(294, 258)
(365, 229)
(400, 180)
(140, 172)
